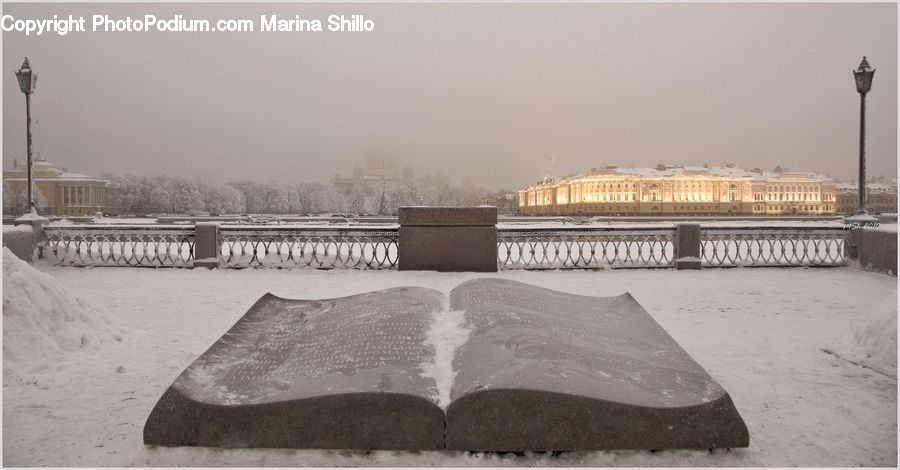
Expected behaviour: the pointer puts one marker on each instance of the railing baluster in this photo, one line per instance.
(304, 247)
(773, 246)
(107, 245)
(377, 248)
(584, 248)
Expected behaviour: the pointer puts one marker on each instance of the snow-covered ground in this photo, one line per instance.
(807, 355)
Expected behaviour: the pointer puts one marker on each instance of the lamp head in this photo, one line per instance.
(27, 78)
(863, 76)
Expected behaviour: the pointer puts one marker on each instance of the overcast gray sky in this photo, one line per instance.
(490, 92)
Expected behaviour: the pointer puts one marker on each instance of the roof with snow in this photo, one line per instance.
(870, 187)
(728, 171)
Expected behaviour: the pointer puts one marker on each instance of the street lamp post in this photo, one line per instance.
(863, 76)
(27, 82)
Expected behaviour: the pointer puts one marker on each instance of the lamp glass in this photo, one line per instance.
(27, 80)
(863, 81)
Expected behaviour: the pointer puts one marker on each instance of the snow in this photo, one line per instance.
(125, 220)
(62, 223)
(46, 330)
(878, 337)
(870, 187)
(17, 230)
(731, 171)
(78, 176)
(448, 332)
(32, 216)
(804, 354)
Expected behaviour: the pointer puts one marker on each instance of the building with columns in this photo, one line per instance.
(57, 191)
(679, 190)
(792, 193)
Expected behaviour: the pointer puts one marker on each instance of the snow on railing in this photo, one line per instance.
(316, 247)
(117, 245)
(773, 246)
(605, 247)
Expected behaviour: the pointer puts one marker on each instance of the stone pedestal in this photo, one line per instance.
(20, 240)
(687, 246)
(877, 250)
(206, 245)
(37, 223)
(448, 239)
(856, 224)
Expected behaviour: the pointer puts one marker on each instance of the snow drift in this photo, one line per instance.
(878, 337)
(44, 325)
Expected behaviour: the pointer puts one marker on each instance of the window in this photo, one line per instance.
(654, 192)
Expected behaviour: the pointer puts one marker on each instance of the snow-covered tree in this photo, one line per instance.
(160, 200)
(15, 200)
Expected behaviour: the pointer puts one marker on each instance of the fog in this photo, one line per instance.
(501, 94)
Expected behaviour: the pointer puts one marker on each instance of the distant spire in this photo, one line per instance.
(863, 66)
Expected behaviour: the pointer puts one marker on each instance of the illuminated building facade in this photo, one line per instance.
(675, 190)
(57, 192)
(793, 193)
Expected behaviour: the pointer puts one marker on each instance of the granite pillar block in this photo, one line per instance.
(206, 245)
(877, 250)
(448, 239)
(687, 246)
(448, 216)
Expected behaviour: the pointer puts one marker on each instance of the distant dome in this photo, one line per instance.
(45, 169)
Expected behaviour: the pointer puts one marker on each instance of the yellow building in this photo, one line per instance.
(57, 192)
(676, 190)
(792, 193)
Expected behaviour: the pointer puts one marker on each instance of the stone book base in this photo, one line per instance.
(538, 370)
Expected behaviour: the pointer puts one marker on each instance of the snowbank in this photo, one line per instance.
(125, 220)
(44, 326)
(62, 223)
(13, 231)
(878, 337)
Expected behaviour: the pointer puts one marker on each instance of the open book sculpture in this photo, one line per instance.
(499, 366)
